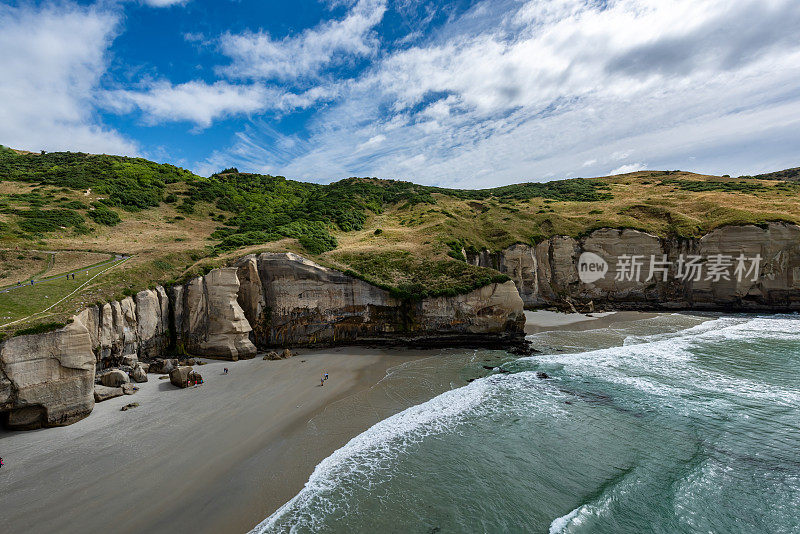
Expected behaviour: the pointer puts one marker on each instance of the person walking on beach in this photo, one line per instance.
(326, 376)
(321, 382)
(1, 462)
(224, 370)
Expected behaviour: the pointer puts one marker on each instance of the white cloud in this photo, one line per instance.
(259, 55)
(630, 167)
(51, 60)
(203, 103)
(194, 101)
(565, 87)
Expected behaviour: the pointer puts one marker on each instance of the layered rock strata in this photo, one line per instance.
(733, 268)
(293, 301)
(47, 379)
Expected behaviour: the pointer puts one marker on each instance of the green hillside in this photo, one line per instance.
(400, 235)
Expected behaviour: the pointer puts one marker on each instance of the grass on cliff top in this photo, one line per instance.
(415, 278)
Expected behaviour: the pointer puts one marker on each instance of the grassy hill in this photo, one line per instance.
(74, 208)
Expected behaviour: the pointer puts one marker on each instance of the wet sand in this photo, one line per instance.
(544, 320)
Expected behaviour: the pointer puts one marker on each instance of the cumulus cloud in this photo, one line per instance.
(195, 101)
(563, 87)
(203, 103)
(51, 59)
(259, 55)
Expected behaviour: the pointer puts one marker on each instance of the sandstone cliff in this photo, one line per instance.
(303, 303)
(688, 273)
(208, 319)
(47, 379)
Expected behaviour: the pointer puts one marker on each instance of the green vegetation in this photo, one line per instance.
(715, 185)
(130, 183)
(405, 237)
(36, 221)
(31, 299)
(102, 215)
(40, 328)
(414, 278)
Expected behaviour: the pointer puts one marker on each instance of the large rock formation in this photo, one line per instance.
(305, 304)
(47, 379)
(716, 271)
(122, 332)
(208, 318)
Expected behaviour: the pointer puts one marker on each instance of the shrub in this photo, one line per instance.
(102, 215)
(36, 221)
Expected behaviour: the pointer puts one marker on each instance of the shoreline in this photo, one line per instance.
(198, 456)
(224, 456)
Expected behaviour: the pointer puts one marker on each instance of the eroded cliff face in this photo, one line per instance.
(713, 272)
(122, 332)
(208, 319)
(47, 379)
(303, 303)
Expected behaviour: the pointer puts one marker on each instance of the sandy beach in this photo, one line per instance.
(215, 458)
(223, 456)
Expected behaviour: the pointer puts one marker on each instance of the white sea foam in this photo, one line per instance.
(372, 453)
(661, 365)
(664, 365)
(373, 449)
(560, 524)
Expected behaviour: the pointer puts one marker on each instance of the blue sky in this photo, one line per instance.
(468, 93)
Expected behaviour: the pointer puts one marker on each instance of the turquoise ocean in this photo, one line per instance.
(665, 423)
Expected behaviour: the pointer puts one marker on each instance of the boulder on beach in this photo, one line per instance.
(163, 366)
(138, 374)
(114, 378)
(129, 389)
(184, 377)
(287, 354)
(103, 393)
(272, 355)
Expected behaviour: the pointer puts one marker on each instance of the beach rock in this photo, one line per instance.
(114, 378)
(103, 393)
(286, 354)
(47, 379)
(129, 389)
(272, 355)
(139, 374)
(542, 375)
(129, 406)
(181, 376)
(163, 366)
(152, 314)
(210, 319)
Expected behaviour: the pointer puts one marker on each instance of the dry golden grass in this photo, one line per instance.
(167, 246)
